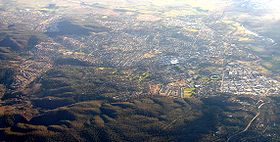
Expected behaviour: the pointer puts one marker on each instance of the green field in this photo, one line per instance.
(187, 92)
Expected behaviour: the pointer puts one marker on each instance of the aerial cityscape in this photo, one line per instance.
(131, 70)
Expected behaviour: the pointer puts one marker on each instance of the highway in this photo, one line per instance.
(250, 122)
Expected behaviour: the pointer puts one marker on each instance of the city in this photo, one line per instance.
(58, 55)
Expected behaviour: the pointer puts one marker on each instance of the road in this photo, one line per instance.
(250, 122)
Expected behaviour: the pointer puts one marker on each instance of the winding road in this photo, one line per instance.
(249, 124)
